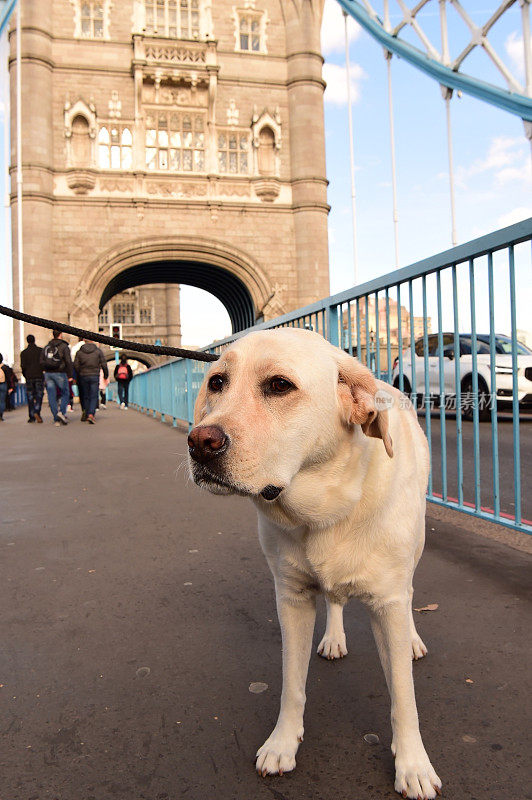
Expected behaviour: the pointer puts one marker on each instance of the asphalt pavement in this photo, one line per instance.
(137, 611)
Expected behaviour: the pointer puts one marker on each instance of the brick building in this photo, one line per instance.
(373, 327)
(144, 314)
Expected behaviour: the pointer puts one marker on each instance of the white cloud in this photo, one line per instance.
(507, 159)
(515, 51)
(515, 174)
(515, 215)
(336, 79)
(333, 28)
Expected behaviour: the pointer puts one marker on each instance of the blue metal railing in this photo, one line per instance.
(453, 291)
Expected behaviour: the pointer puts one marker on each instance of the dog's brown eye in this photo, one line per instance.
(280, 385)
(216, 383)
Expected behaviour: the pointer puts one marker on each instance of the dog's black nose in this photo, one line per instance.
(206, 442)
(271, 492)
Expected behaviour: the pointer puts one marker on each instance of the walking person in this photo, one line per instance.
(11, 381)
(30, 364)
(73, 352)
(104, 383)
(3, 388)
(123, 374)
(88, 363)
(57, 365)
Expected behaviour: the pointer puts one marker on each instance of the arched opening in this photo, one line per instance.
(227, 287)
(137, 361)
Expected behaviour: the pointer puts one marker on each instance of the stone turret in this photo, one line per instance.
(37, 159)
(307, 146)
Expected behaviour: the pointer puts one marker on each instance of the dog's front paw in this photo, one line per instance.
(419, 649)
(278, 753)
(332, 647)
(415, 776)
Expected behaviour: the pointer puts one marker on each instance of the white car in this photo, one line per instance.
(503, 371)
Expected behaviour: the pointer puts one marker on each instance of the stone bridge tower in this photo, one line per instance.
(176, 142)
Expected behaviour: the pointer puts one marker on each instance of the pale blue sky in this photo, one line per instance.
(491, 154)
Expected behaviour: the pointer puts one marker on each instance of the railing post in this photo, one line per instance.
(161, 403)
(190, 403)
(332, 325)
(173, 370)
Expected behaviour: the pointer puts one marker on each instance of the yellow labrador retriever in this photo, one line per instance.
(337, 466)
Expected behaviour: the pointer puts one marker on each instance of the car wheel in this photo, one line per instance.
(484, 407)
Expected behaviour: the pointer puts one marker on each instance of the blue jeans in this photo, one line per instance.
(57, 380)
(34, 393)
(88, 392)
(3, 395)
(123, 392)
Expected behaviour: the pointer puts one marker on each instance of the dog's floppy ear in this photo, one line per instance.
(357, 390)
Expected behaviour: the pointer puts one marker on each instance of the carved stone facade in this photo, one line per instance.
(170, 141)
(144, 314)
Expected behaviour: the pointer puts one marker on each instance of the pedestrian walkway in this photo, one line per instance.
(137, 610)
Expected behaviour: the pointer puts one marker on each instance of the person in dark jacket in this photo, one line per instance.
(11, 381)
(57, 365)
(87, 363)
(30, 363)
(123, 374)
(3, 388)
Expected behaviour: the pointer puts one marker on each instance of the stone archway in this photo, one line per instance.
(228, 273)
(148, 359)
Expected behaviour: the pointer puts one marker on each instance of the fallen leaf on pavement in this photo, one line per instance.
(430, 607)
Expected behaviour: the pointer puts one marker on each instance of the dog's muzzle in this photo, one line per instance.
(207, 442)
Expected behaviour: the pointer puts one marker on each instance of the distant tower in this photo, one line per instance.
(172, 142)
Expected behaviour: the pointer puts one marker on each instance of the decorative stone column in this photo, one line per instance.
(173, 316)
(307, 146)
(37, 161)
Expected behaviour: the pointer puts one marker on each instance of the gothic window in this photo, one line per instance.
(175, 141)
(145, 316)
(249, 32)
(175, 19)
(115, 147)
(250, 29)
(81, 146)
(124, 312)
(233, 149)
(92, 19)
(266, 151)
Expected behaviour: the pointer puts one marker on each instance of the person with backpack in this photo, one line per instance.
(30, 364)
(57, 365)
(88, 362)
(123, 374)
